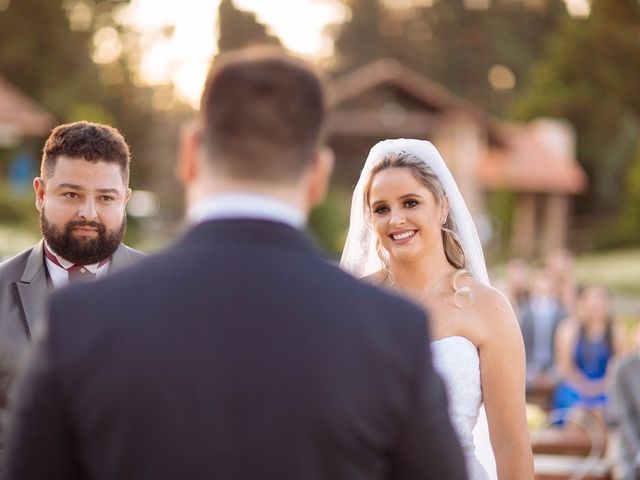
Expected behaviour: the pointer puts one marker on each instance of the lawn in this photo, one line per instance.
(619, 270)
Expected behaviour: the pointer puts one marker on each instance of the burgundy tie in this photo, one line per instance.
(77, 273)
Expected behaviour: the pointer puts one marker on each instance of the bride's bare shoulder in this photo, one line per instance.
(493, 314)
(377, 278)
(485, 296)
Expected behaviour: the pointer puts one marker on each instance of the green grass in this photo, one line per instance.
(14, 240)
(618, 270)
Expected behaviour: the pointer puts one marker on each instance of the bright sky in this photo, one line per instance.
(184, 57)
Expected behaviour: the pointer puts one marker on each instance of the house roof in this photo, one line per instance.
(539, 158)
(390, 72)
(20, 115)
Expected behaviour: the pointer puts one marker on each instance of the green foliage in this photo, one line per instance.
(328, 222)
(501, 205)
(626, 230)
(589, 76)
(237, 28)
(46, 50)
(449, 43)
(18, 208)
(360, 40)
(91, 112)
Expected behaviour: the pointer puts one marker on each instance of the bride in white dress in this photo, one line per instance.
(411, 232)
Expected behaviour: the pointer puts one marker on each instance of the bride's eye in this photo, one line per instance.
(381, 209)
(410, 203)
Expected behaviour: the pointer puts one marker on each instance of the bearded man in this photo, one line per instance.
(81, 195)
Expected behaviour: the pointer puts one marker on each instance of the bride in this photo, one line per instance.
(411, 232)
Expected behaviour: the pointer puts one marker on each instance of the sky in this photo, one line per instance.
(184, 57)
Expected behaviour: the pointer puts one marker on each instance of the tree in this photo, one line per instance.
(359, 40)
(447, 41)
(589, 77)
(45, 58)
(47, 49)
(237, 28)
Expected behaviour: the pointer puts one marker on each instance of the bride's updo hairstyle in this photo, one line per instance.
(425, 175)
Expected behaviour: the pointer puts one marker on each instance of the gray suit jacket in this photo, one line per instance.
(24, 288)
(627, 404)
(527, 320)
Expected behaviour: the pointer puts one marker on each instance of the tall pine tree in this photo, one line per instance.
(237, 28)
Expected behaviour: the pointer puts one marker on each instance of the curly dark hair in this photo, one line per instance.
(92, 141)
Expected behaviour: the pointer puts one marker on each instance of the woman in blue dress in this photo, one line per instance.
(585, 346)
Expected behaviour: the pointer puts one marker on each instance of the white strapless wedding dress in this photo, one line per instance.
(457, 361)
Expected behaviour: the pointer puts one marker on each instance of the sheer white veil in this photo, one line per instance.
(359, 255)
(360, 258)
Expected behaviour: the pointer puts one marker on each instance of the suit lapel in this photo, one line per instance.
(33, 288)
(121, 258)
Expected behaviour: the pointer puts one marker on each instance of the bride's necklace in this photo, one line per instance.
(424, 294)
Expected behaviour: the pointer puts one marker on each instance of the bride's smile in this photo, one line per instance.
(401, 237)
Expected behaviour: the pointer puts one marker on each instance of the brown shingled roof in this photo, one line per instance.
(387, 71)
(534, 161)
(21, 114)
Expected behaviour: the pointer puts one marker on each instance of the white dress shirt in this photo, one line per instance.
(248, 206)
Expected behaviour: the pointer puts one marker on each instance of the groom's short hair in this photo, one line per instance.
(263, 114)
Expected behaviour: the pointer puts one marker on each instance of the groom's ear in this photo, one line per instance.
(189, 150)
(320, 176)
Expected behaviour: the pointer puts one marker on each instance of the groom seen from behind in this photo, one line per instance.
(239, 352)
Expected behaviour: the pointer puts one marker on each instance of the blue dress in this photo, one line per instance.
(591, 358)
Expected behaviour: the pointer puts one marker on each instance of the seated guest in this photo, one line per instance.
(626, 396)
(585, 345)
(559, 264)
(516, 283)
(540, 316)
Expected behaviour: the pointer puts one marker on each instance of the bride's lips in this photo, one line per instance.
(400, 237)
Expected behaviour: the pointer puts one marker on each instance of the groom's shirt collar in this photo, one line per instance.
(58, 270)
(243, 205)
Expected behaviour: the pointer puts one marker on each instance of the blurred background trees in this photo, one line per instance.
(589, 76)
(79, 62)
(455, 43)
(517, 59)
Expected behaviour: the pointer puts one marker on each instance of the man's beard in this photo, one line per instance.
(82, 250)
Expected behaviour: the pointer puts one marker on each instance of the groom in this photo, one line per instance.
(239, 352)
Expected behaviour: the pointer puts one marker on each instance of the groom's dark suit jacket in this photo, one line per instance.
(239, 353)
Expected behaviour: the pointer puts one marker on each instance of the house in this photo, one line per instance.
(20, 116)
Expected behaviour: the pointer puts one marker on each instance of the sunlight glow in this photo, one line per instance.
(578, 8)
(183, 56)
(107, 47)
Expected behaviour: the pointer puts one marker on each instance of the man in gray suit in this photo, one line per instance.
(539, 318)
(81, 195)
(626, 404)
